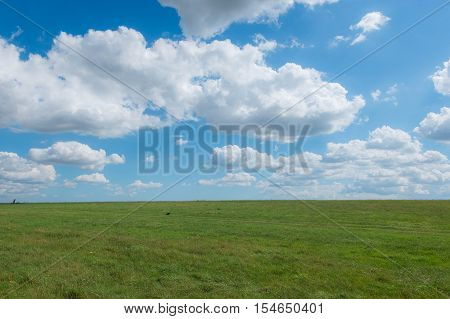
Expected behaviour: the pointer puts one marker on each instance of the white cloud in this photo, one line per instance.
(263, 44)
(372, 21)
(248, 159)
(392, 90)
(359, 38)
(140, 185)
(218, 81)
(16, 33)
(390, 96)
(381, 142)
(388, 164)
(20, 176)
(293, 43)
(233, 156)
(69, 184)
(115, 189)
(363, 119)
(17, 169)
(206, 18)
(376, 95)
(63, 93)
(11, 190)
(74, 153)
(441, 79)
(339, 39)
(95, 178)
(230, 179)
(436, 125)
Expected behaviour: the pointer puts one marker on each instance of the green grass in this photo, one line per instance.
(244, 249)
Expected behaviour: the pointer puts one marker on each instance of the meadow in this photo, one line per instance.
(230, 249)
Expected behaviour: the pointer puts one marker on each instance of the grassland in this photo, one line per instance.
(273, 249)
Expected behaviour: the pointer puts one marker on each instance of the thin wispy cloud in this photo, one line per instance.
(15, 34)
(371, 22)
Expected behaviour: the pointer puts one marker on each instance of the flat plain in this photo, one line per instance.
(229, 249)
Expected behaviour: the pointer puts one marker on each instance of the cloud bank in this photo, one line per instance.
(19, 176)
(230, 179)
(96, 178)
(218, 81)
(75, 153)
(388, 164)
(436, 125)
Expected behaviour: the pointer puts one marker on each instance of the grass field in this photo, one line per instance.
(248, 249)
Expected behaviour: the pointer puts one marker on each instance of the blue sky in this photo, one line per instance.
(68, 132)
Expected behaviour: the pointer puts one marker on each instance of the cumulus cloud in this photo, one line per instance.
(436, 125)
(218, 81)
(96, 178)
(206, 18)
(441, 79)
(384, 144)
(11, 190)
(263, 44)
(233, 156)
(249, 159)
(17, 169)
(388, 138)
(21, 176)
(388, 164)
(74, 153)
(63, 93)
(230, 179)
(140, 185)
(372, 21)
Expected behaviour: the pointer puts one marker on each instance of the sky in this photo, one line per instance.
(110, 101)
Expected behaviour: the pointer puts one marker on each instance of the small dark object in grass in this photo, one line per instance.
(167, 213)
